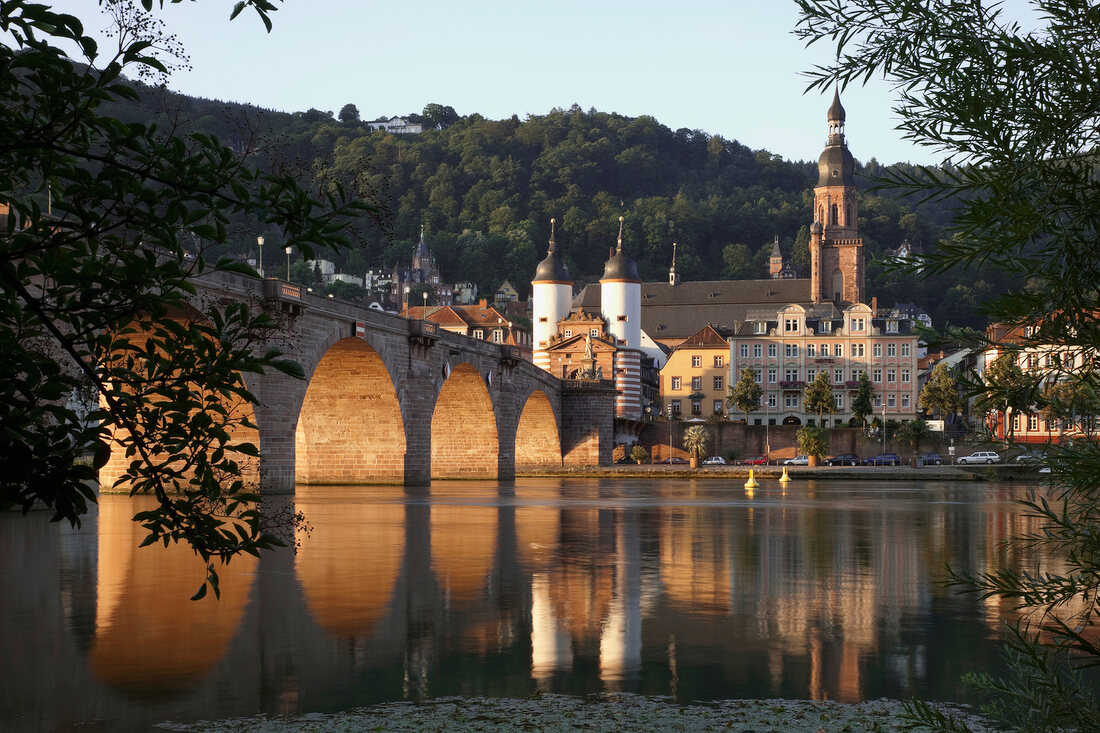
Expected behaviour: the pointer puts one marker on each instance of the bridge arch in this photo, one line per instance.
(350, 428)
(238, 420)
(538, 441)
(464, 427)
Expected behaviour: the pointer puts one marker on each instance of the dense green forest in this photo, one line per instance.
(487, 189)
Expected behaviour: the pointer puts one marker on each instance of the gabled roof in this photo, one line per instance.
(578, 341)
(675, 311)
(708, 336)
(444, 315)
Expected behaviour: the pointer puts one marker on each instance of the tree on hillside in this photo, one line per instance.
(819, 395)
(440, 117)
(117, 217)
(941, 393)
(1012, 112)
(863, 402)
(348, 114)
(739, 262)
(745, 394)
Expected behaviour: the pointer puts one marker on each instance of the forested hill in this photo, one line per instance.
(487, 189)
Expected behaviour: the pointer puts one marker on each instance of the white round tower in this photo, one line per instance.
(621, 303)
(551, 301)
(621, 297)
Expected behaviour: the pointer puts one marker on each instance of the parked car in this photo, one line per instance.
(844, 459)
(1036, 457)
(755, 461)
(932, 459)
(797, 461)
(673, 459)
(883, 459)
(982, 456)
(714, 461)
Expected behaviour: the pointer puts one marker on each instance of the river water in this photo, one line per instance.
(697, 590)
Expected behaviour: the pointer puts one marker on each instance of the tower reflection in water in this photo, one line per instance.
(467, 590)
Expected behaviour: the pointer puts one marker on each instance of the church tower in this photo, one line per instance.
(551, 300)
(621, 303)
(673, 276)
(836, 250)
(775, 261)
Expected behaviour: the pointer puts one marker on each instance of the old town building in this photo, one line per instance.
(789, 326)
(788, 348)
(1049, 364)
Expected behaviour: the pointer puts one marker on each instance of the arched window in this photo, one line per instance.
(833, 215)
(838, 285)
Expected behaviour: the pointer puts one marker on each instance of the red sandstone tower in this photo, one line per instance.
(836, 250)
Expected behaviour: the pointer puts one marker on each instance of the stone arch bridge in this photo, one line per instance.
(391, 400)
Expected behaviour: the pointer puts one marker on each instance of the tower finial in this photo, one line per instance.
(551, 235)
(620, 249)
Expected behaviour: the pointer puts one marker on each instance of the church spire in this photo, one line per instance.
(673, 276)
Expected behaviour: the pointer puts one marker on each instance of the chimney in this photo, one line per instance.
(874, 307)
(483, 303)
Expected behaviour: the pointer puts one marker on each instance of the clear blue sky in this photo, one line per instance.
(728, 67)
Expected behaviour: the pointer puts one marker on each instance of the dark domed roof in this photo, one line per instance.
(836, 110)
(836, 167)
(552, 269)
(621, 267)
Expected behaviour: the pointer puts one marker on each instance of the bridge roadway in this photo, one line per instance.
(392, 400)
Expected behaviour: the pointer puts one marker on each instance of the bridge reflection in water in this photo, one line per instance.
(690, 589)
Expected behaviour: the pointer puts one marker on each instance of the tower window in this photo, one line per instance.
(833, 211)
(622, 318)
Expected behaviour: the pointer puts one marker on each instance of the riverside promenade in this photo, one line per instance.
(996, 472)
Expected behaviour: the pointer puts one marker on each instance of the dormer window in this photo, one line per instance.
(891, 327)
(790, 324)
(826, 327)
(857, 324)
(760, 327)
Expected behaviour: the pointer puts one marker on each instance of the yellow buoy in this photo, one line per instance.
(784, 478)
(752, 483)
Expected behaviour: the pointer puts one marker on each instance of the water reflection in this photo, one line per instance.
(693, 589)
(149, 640)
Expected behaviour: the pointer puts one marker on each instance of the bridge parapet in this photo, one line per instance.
(407, 362)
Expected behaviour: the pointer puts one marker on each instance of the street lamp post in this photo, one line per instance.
(407, 289)
(670, 435)
(884, 426)
(288, 264)
(424, 313)
(767, 429)
(260, 264)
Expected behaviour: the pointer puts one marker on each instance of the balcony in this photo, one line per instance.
(788, 384)
(851, 384)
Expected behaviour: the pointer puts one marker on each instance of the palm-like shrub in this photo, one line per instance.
(696, 439)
